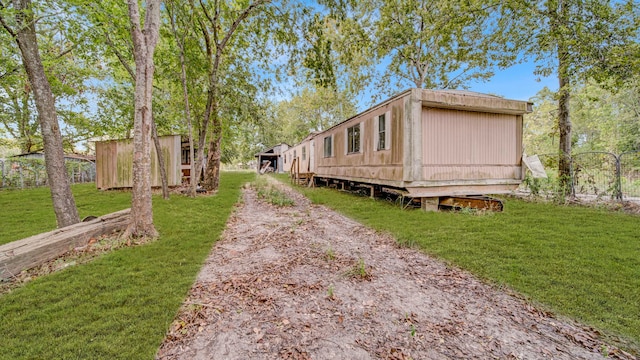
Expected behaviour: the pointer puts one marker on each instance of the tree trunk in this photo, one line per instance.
(193, 180)
(564, 120)
(212, 174)
(564, 127)
(144, 43)
(210, 109)
(161, 164)
(64, 204)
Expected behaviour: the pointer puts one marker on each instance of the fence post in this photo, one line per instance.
(618, 178)
(572, 176)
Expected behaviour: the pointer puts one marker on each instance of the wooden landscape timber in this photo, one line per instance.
(430, 144)
(30, 252)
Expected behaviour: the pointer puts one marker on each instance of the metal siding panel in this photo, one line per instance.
(469, 145)
(468, 138)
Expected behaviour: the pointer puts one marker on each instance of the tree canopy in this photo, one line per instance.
(255, 73)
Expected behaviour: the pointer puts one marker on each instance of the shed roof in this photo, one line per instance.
(274, 150)
(473, 101)
(66, 156)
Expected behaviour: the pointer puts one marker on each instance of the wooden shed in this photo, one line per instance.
(272, 158)
(114, 163)
(429, 143)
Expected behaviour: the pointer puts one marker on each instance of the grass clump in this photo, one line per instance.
(120, 305)
(579, 262)
(270, 193)
(330, 254)
(359, 271)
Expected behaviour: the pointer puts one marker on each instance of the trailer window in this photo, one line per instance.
(353, 139)
(381, 132)
(328, 148)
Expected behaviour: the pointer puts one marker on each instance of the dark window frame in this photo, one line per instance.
(328, 147)
(353, 139)
(382, 132)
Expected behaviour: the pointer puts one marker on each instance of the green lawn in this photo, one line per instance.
(120, 305)
(30, 212)
(580, 262)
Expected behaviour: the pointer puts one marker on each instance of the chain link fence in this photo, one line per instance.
(29, 173)
(593, 174)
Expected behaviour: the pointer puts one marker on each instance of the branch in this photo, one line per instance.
(206, 13)
(120, 56)
(4, 23)
(245, 13)
(10, 72)
(205, 33)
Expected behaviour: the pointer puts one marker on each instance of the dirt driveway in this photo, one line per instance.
(304, 282)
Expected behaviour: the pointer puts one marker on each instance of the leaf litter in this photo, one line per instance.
(304, 282)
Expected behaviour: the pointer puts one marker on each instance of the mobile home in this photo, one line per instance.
(428, 143)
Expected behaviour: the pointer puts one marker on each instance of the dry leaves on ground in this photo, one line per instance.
(304, 282)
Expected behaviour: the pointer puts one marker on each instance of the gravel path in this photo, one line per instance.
(304, 282)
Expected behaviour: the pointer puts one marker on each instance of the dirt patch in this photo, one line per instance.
(304, 282)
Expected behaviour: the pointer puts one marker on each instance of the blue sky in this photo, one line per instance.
(517, 82)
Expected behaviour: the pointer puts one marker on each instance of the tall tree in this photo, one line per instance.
(218, 22)
(436, 44)
(24, 33)
(575, 40)
(420, 43)
(110, 33)
(144, 44)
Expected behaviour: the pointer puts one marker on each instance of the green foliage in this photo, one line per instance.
(412, 39)
(318, 58)
(417, 36)
(579, 262)
(549, 188)
(592, 32)
(330, 254)
(602, 120)
(575, 40)
(317, 109)
(331, 291)
(120, 305)
(69, 62)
